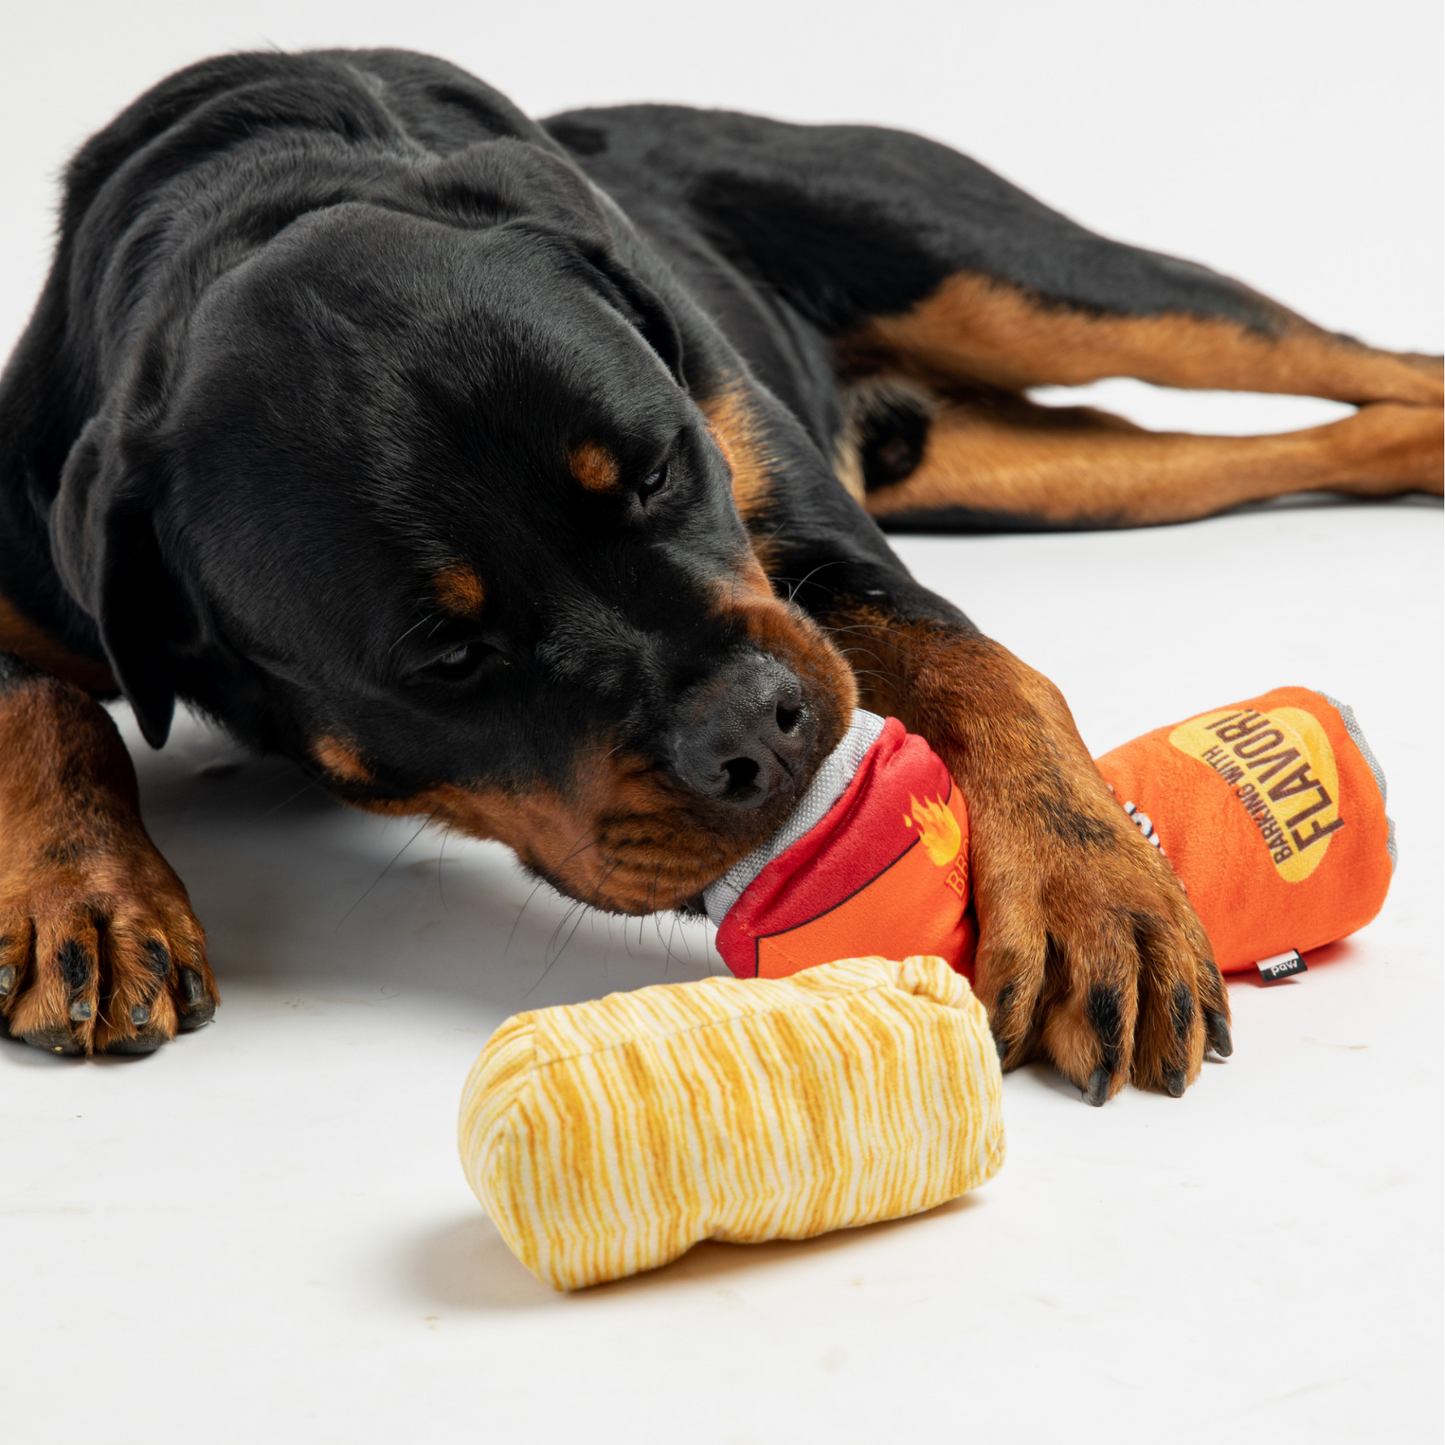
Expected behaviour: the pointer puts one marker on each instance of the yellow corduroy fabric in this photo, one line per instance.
(609, 1137)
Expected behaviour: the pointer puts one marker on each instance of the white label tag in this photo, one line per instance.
(1281, 965)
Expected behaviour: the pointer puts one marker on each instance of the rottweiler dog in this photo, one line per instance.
(529, 477)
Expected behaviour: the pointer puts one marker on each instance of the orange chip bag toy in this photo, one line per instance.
(1272, 812)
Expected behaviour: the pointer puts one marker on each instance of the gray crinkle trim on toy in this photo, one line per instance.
(1352, 727)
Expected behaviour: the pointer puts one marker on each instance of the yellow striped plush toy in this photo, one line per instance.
(609, 1137)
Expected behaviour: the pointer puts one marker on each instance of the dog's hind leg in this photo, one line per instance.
(912, 256)
(999, 460)
(991, 456)
(1196, 330)
(922, 267)
(1063, 307)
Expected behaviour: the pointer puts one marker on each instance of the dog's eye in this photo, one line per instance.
(651, 485)
(459, 662)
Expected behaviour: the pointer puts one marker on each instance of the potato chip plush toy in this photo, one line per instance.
(1272, 812)
(609, 1137)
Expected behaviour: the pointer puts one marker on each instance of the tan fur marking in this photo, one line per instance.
(20, 636)
(975, 328)
(340, 759)
(734, 428)
(784, 631)
(848, 465)
(459, 590)
(595, 467)
(1076, 467)
(861, 397)
(623, 839)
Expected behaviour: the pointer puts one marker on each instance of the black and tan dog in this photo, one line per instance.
(525, 476)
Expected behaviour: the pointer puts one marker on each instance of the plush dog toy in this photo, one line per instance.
(609, 1137)
(806, 1095)
(1272, 812)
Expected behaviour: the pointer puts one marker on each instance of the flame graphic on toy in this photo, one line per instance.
(937, 827)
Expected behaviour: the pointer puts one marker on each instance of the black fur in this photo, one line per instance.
(1104, 1014)
(319, 325)
(76, 965)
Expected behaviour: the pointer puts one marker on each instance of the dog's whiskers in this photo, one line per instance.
(425, 619)
(794, 587)
(577, 907)
(306, 787)
(442, 858)
(583, 840)
(424, 823)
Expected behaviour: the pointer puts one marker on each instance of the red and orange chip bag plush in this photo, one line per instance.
(875, 852)
(1272, 812)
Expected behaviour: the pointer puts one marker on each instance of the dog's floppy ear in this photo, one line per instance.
(644, 308)
(510, 179)
(103, 541)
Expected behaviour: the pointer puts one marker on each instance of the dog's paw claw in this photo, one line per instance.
(1217, 1032)
(1096, 1091)
(199, 1005)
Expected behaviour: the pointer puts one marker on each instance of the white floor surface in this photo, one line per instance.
(263, 1232)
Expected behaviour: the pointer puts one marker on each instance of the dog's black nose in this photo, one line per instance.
(742, 736)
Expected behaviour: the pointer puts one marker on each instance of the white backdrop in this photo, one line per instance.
(261, 1232)
(1295, 145)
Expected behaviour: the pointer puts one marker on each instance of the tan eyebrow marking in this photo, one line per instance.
(595, 467)
(734, 426)
(459, 590)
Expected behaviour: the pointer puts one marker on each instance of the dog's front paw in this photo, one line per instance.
(1089, 953)
(99, 949)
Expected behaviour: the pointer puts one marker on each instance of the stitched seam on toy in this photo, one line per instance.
(1357, 736)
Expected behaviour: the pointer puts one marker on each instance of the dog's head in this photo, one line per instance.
(437, 514)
